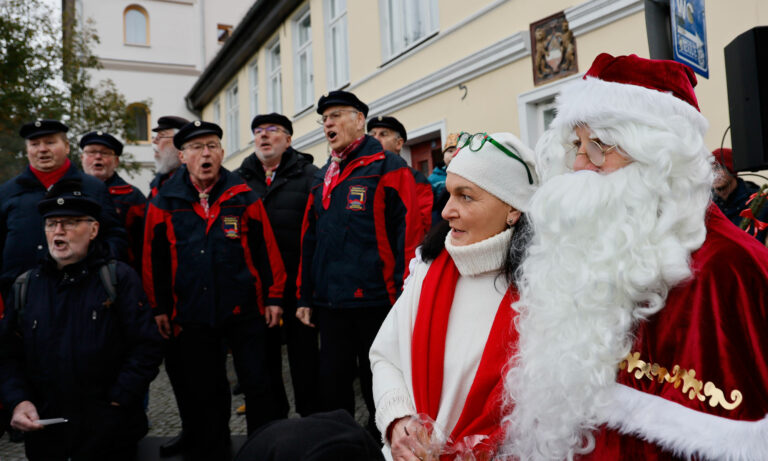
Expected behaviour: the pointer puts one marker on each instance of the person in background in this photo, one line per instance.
(733, 195)
(360, 230)
(282, 177)
(78, 341)
(167, 157)
(437, 178)
(392, 135)
(101, 157)
(22, 240)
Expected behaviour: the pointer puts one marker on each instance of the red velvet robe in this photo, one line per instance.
(715, 325)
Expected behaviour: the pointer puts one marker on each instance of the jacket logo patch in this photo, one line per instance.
(231, 226)
(359, 293)
(356, 198)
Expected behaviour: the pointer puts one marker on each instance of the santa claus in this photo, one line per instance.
(643, 311)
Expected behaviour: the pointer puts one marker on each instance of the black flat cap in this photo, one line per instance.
(167, 122)
(42, 127)
(341, 98)
(66, 198)
(194, 129)
(273, 118)
(103, 138)
(388, 122)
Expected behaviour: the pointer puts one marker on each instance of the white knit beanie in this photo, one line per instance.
(496, 172)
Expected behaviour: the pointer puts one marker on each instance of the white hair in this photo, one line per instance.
(607, 248)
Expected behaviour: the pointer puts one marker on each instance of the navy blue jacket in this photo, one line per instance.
(737, 202)
(72, 347)
(22, 238)
(208, 271)
(130, 205)
(356, 253)
(157, 183)
(285, 200)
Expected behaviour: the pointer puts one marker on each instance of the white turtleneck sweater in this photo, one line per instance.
(479, 292)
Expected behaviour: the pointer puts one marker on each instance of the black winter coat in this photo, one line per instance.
(285, 200)
(22, 239)
(71, 348)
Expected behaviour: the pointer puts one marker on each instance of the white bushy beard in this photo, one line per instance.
(603, 257)
(168, 160)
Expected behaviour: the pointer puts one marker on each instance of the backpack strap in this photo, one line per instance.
(108, 275)
(20, 289)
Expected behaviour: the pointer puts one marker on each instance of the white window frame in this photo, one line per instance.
(217, 111)
(303, 84)
(253, 81)
(396, 16)
(274, 79)
(532, 104)
(336, 57)
(233, 118)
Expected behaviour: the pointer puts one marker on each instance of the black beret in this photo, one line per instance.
(168, 122)
(194, 129)
(105, 139)
(341, 98)
(274, 118)
(41, 128)
(66, 198)
(388, 122)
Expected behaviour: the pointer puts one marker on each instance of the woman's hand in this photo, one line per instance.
(409, 440)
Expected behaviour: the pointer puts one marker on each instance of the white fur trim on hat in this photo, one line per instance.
(597, 102)
(498, 173)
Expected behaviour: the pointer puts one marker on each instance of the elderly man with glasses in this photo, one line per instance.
(101, 157)
(79, 345)
(215, 279)
(167, 157)
(282, 177)
(362, 226)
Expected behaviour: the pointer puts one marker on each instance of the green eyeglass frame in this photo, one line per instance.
(477, 141)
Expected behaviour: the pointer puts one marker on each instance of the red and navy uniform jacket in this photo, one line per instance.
(207, 271)
(22, 238)
(356, 253)
(157, 183)
(425, 198)
(130, 205)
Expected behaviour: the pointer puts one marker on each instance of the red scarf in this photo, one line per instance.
(49, 178)
(332, 173)
(482, 410)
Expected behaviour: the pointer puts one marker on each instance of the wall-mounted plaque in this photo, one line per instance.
(553, 49)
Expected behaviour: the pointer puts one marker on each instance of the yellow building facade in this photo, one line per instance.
(439, 66)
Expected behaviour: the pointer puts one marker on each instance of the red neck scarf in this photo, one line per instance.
(49, 178)
(482, 410)
(332, 173)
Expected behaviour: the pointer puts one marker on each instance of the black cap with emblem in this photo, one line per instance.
(341, 98)
(168, 122)
(103, 138)
(273, 118)
(42, 127)
(388, 122)
(66, 198)
(194, 129)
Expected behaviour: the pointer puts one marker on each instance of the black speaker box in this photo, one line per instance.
(746, 71)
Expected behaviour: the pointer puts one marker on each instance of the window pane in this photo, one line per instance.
(138, 114)
(135, 27)
(304, 31)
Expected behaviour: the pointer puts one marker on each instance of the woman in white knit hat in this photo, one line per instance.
(439, 355)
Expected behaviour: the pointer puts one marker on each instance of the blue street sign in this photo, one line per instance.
(689, 34)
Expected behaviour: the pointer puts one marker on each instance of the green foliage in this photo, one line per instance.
(41, 78)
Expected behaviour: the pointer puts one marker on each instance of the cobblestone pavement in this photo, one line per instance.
(164, 418)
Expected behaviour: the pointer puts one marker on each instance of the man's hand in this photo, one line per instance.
(409, 440)
(163, 325)
(272, 315)
(305, 315)
(24, 417)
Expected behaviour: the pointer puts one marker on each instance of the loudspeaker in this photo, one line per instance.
(746, 72)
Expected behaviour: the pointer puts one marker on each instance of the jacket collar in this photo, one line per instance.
(180, 185)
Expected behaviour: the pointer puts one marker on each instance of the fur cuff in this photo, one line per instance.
(684, 431)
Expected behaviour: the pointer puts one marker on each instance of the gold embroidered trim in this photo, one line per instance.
(694, 388)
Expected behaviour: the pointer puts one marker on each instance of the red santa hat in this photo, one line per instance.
(725, 158)
(631, 88)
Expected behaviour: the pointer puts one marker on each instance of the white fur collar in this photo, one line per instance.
(484, 256)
